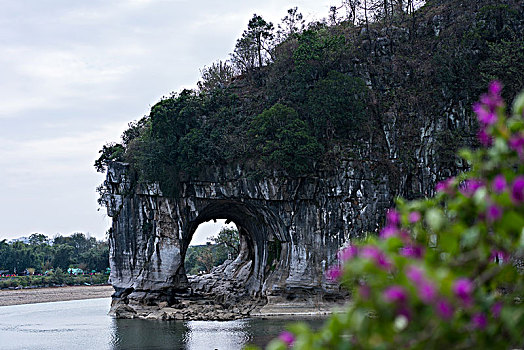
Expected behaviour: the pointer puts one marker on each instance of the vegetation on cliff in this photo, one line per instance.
(292, 97)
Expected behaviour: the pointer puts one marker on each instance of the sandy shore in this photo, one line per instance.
(45, 295)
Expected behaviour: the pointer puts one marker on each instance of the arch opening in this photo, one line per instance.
(214, 243)
(260, 249)
(225, 257)
(223, 264)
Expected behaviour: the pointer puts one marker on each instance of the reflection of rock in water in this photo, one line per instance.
(290, 228)
(197, 335)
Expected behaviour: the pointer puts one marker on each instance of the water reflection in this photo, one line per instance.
(217, 334)
(85, 324)
(145, 334)
(196, 335)
(59, 325)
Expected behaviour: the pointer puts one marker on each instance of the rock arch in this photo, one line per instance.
(291, 231)
(259, 228)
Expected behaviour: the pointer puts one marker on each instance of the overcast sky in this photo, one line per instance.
(74, 73)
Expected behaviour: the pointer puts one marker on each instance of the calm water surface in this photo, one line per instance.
(84, 324)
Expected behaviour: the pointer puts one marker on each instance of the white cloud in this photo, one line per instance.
(59, 78)
(71, 67)
(37, 161)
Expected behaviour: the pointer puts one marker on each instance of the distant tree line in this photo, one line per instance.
(42, 254)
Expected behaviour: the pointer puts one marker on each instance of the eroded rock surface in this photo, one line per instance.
(291, 230)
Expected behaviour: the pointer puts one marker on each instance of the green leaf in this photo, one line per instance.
(435, 219)
(466, 154)
(470, 237)
(299, 327)
(449, 242)
(512, 221)
(276, 345)
(251, 347)
(518, 105)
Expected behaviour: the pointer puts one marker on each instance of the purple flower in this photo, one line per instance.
(484, 138)
(287, 337)
(372, 252)
(492, 99)
(517, 190)
(498, 256)
(427, 292)
(463, 289)
(486, 109)
(493, 213)
(388, 231)
(348, 253)
(414, 274)
(499, 184)
(486, 116)
(395, 294)
(444, 309)
(445, 186)
(393, 217)
(471, 186)
(334, 273)
(495, 87)
(414, 216)
(479, 321)
(404, 311)
(412, 251)
(404, 235)
(496, 309)
(516, 143)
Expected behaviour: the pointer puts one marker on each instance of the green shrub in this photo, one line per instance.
(53, 279)
(284, 140)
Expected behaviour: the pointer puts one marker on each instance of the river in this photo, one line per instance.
(84, 324)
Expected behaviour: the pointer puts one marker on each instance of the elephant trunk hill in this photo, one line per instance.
(304, 150)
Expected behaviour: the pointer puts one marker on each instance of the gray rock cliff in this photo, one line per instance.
(291, 230)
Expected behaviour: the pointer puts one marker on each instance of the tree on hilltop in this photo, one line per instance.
(254, 45)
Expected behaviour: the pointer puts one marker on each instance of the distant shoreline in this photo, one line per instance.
(51, 294)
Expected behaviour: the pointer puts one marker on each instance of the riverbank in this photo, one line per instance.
(45, 295)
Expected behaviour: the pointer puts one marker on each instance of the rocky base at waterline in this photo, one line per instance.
(188, 310)
(219, 295)
(209, 310)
